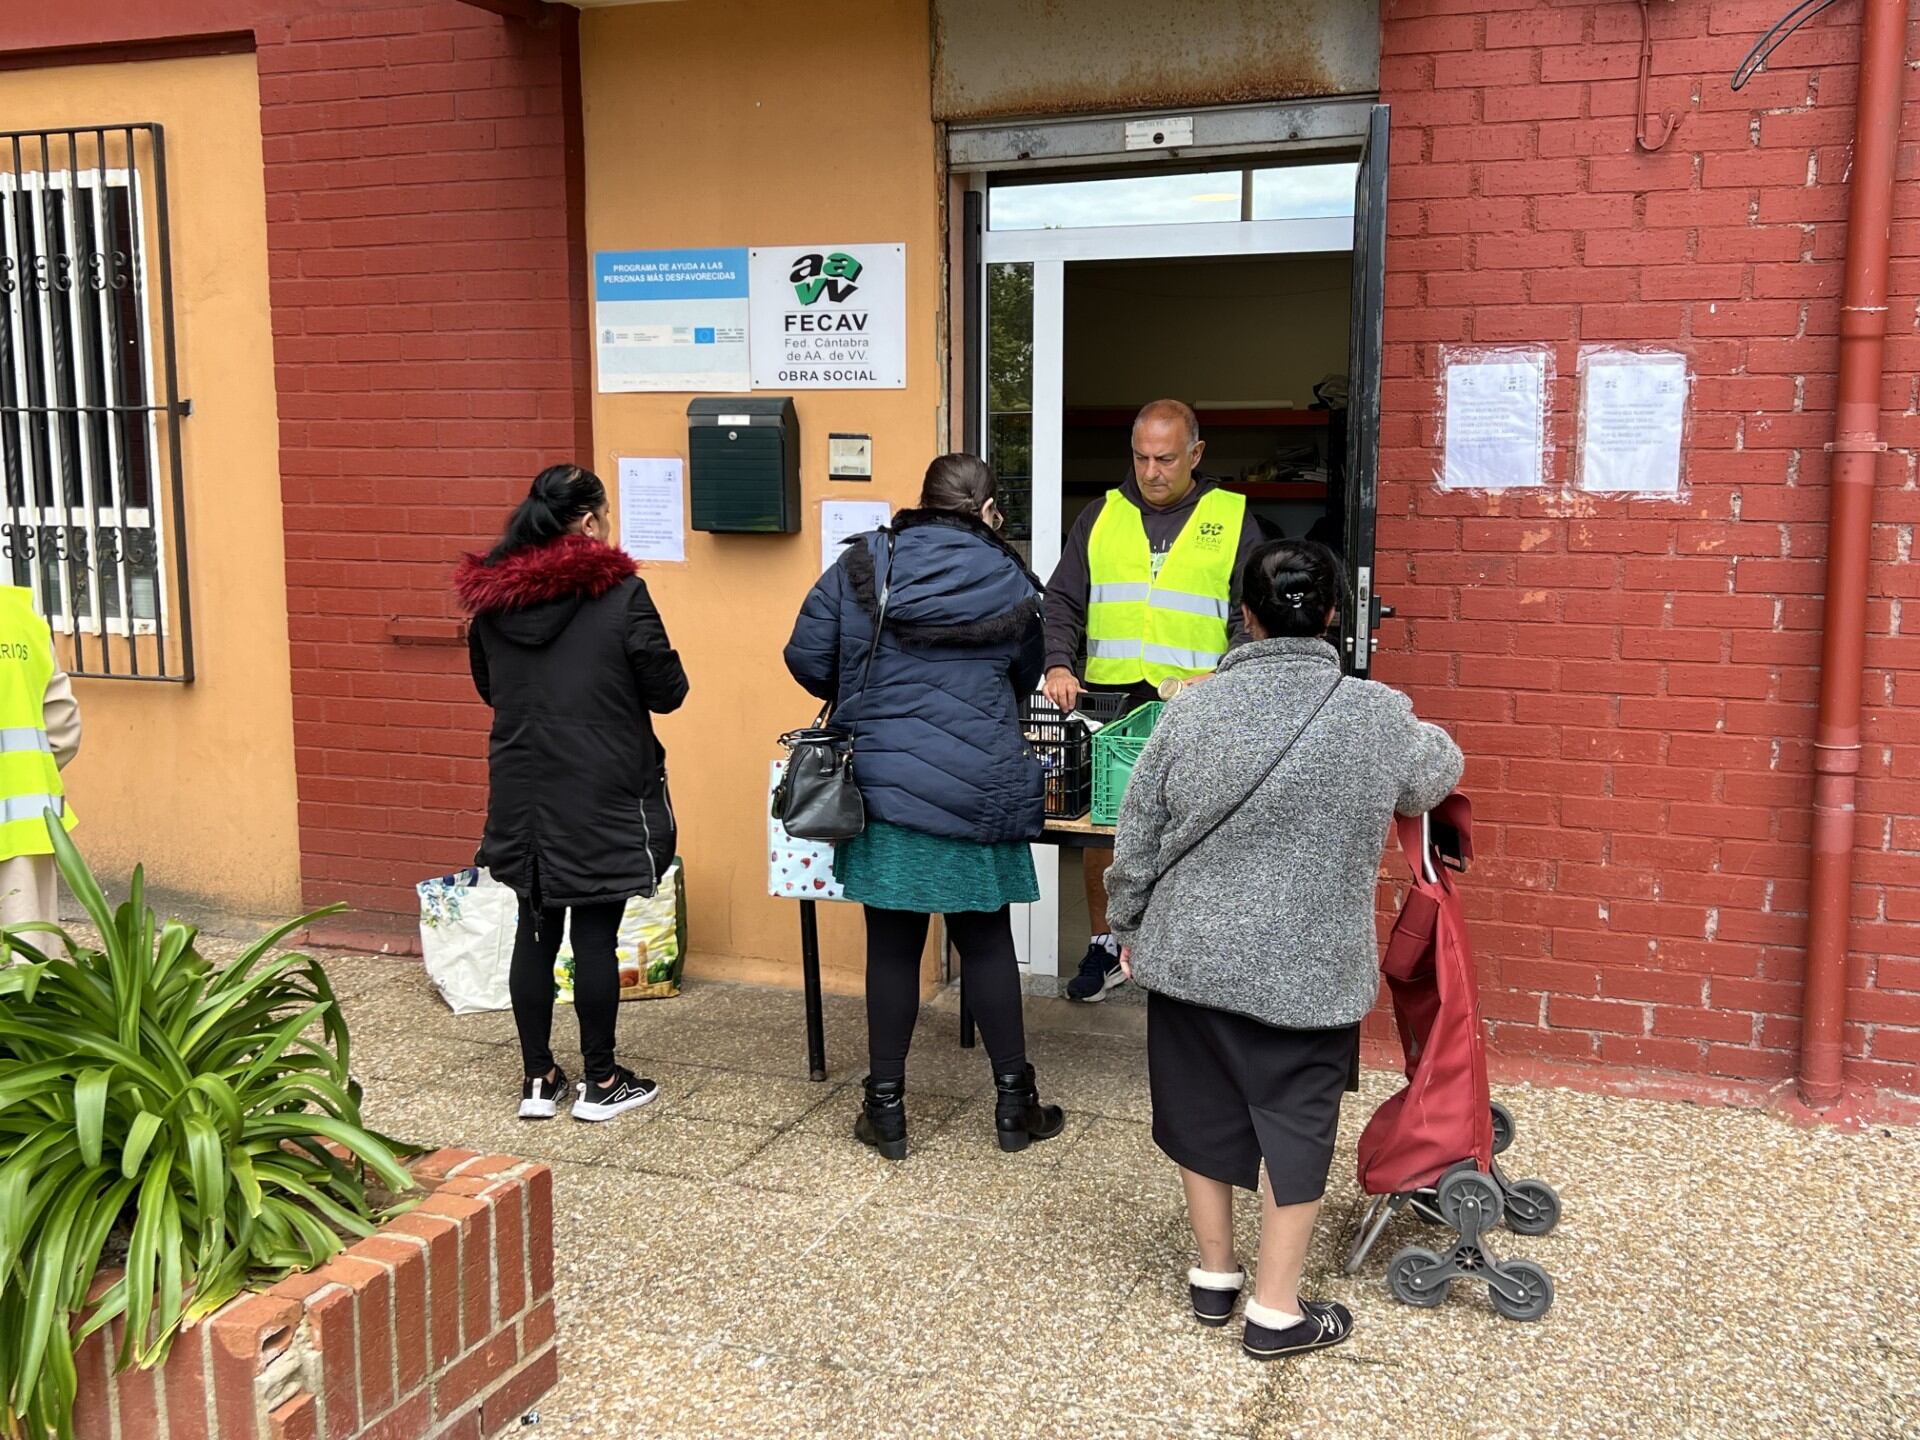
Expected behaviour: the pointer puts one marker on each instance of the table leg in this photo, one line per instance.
(810, 973)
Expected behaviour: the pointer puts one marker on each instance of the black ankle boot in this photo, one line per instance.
(883, 1118)
(1018, 1115)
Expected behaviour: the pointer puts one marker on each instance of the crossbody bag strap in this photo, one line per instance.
(866, 673)
(1253, 789)
(880, 617)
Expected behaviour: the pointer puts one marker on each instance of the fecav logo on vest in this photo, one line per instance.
(1211, 533)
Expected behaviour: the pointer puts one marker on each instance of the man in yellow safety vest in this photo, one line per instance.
(1148, 588)
(39, 734)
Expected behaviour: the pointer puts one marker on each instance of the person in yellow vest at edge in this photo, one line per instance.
(1147, 588)
(39, 734)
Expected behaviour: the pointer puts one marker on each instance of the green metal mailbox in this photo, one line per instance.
(743, 465)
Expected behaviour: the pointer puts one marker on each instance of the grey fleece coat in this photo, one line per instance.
(1271, 915)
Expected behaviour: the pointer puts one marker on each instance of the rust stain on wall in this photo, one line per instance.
(1004, 58)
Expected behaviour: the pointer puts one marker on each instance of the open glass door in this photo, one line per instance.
(1026, 263)
(1360, 501)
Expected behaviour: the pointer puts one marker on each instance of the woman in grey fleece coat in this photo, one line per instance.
(1252, 927)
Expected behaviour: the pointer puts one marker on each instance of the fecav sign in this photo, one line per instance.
(829, 317)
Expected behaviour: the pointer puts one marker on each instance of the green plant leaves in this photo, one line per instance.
(90, 1113)
(204, 1119)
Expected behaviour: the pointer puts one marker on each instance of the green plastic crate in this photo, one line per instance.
(1116, 750)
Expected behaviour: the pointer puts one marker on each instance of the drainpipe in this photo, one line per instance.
(1856, 450)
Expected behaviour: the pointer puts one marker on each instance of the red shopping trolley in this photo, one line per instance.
(1432, 1148)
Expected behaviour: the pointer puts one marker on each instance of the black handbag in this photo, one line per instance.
(816, 798)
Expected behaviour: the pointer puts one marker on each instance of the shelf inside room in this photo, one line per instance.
(1211, 418)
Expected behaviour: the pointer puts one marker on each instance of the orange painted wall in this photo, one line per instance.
(738, 122)
(197, 780)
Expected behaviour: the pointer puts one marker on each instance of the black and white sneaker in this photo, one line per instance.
(622, 1091)
(1214, 1294)
(540, 1097)
(1099, 972)
(1322, 1324)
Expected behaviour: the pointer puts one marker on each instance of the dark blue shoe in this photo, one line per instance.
(1099, 972)
(1322, 1323)
(1214, 1295)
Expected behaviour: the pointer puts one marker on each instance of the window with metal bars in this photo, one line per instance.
(89, 413)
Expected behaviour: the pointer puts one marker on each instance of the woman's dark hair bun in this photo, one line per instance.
(958, 482)
(1291, 586)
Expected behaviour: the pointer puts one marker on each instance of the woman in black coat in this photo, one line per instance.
(570, 653)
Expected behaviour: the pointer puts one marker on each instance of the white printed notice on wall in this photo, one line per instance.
(1495, 420)
(829, 317)
(1632, 411)
(653, 510)
(670, 319)
(841, 520)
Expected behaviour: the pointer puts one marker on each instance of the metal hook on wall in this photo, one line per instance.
(1642, 120)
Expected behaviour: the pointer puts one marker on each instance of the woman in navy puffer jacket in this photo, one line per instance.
(953, 793)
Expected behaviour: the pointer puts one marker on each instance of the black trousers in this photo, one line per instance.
(596, 983)
(989, 970)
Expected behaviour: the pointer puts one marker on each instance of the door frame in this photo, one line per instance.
(1037, 927)
(980, 155)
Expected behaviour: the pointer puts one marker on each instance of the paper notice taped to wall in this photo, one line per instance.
(1495, 436)
(653, 509)
(1632, 413)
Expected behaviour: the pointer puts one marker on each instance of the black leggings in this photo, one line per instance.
(988, 968)
(596, 984)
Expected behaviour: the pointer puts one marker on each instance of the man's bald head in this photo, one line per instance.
(1166, 448)
(1177, 410)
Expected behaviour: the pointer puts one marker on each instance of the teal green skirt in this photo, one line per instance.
(892, 868)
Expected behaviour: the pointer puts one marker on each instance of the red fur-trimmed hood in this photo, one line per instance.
(574, 567)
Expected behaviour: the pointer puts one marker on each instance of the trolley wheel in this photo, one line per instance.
(1464, 1191)
(1533, 1207)
(1502, 1127)
(1425, 1204)
(1537, 1284)
(1417, 1276)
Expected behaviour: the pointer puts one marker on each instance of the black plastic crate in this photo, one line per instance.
(1065, 747)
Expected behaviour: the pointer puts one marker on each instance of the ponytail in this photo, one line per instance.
(561, 494)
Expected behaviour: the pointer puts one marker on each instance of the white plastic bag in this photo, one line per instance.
(467, 923)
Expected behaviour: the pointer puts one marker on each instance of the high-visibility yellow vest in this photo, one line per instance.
(29, 780)
(1147, 627)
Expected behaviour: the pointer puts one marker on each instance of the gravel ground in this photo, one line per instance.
(731, 1263)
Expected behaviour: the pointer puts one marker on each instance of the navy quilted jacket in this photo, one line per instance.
(937, 741)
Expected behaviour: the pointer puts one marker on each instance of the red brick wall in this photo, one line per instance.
(1634, 681)
(430, 328)
(441, 1325)
(426, 236)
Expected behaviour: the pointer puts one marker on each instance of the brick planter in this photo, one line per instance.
(440, 1325)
